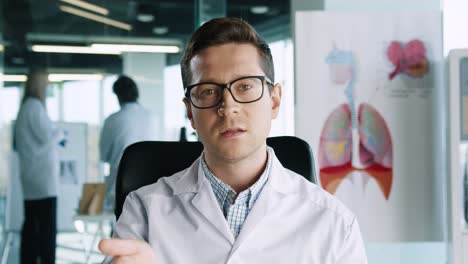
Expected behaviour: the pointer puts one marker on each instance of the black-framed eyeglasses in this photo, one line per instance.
(244, 90)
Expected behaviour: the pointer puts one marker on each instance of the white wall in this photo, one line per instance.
(174, 109)
(147, 70)
(455, 25)
(382, 5)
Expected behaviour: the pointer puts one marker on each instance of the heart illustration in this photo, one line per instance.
(410, 59)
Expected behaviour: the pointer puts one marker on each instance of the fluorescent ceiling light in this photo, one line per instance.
(259, 10)
(97, 18)
(136, 48)
(145, 18)
(160, 30)
(71, 49)
(58, 77)
(2, 48)
(110, 49)
(13, 78)
(55, 77)
(86, 5)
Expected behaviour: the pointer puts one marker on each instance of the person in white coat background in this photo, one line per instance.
(37, 140)
(236, 203)
(131, 124)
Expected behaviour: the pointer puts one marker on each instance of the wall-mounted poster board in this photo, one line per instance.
(364, 86)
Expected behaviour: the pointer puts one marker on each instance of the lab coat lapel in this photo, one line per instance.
(276, 187)
(260, 209)
(206, 204)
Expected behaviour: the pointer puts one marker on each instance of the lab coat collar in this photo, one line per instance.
(190, 181)
(193, 178)
(280, 178)
(278, 185)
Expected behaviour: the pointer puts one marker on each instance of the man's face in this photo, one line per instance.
(240, 129)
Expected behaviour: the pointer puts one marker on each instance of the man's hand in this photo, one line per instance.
(128, 251)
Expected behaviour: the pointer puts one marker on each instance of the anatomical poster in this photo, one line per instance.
(364, 87)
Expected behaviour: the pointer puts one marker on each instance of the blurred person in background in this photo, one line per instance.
(36, 140)
(131, 124)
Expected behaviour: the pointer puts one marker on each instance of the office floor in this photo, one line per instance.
(71, 248)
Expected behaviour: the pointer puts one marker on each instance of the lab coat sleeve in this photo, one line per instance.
(132, 223)
(352, 251)
(105, 146)
(43, 128)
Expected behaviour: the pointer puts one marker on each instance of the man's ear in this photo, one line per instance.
(275, 96)
(188, 107)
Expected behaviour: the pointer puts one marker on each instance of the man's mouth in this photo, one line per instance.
(232, 132)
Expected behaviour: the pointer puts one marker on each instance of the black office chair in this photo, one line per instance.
(143, 163)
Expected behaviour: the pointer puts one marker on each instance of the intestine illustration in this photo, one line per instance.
(355, 140)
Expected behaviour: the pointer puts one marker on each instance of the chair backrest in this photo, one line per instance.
(143, 163)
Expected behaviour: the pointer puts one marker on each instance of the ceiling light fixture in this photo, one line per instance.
(54, 77)
(106, 49)
(136, 48)
(2, 48)
(86, 5)
(97, 18)
(13, 78)
(17, 60)
(72, 49)
(259, 10)
(145, 18)
(160, 30)
(59, 77)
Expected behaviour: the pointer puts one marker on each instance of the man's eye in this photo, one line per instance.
(245, 87)
(208, 92)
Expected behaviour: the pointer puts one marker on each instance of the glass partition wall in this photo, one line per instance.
(85, 46)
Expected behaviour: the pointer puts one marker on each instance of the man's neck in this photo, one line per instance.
(122, 104)
(239, 174)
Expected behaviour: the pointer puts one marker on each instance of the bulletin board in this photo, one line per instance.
(72, 175)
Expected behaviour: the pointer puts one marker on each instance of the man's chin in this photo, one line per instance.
(229, 151)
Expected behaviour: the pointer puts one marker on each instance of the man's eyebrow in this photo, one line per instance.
(237, 76)
(208, 80)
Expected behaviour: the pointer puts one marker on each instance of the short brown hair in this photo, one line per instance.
(33, 88)
(125, 89)
(221, 31)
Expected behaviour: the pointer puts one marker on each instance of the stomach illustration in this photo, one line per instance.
(363, 147)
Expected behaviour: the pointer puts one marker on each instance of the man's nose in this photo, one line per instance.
(228, 104)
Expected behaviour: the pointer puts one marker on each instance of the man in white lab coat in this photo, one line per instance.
(236, 203)
(133, 123)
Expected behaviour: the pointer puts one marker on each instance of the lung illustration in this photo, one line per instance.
(353, 139)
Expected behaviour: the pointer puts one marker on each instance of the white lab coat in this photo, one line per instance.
(132, 123)
(293, 221)
(37, 141)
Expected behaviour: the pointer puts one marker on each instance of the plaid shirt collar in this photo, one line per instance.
(224, 193)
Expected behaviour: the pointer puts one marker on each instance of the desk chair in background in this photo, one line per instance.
(143, 163)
